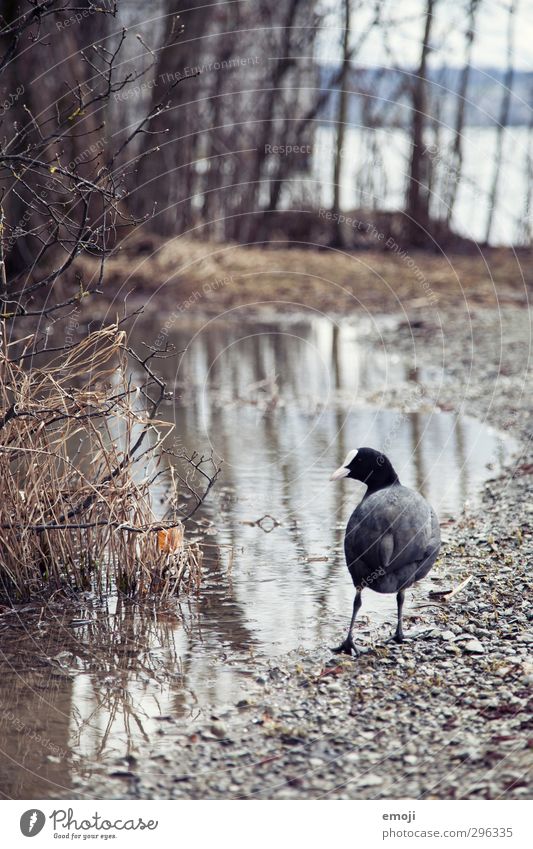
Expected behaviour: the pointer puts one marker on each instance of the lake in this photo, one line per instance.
(375, 167)
(280, 400)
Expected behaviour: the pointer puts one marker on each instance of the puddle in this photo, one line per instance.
(282, 402)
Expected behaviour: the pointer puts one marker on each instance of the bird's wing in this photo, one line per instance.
(391, 528)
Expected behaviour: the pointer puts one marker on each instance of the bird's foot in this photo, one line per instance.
(346, 647)
(398, 637)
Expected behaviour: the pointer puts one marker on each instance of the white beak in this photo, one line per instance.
(342, 472)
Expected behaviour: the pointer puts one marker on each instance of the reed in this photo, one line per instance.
(80, 453)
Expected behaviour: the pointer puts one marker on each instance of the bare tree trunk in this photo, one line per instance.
(342, 113)
(16, 77)
(312, 113)
(525, 223)
(168, 177)
(282, 66)
(417, 193)
(456, 161)
(216, 147)
(503, 119)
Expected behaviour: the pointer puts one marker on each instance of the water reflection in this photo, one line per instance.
(281, 403)
(36, 706)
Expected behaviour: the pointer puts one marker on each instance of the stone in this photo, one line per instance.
(473, 647)
(218, 729)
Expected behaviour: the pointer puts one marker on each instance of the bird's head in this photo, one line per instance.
(369, 466)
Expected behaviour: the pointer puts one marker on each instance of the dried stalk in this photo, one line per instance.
(79, 453)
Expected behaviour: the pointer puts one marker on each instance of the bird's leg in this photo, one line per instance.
(348, 646)
(398, 636)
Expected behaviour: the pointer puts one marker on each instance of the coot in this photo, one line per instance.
(392, 538)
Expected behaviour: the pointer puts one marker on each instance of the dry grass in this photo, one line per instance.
(78, 458)
(186, 274)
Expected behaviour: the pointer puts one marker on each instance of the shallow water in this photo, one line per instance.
(282, 402)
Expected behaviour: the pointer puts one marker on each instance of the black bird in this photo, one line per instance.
(393, 535)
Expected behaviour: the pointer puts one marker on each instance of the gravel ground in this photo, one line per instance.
(445, 715)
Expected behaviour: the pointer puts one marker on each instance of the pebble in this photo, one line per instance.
(370, 781)
(473, 647)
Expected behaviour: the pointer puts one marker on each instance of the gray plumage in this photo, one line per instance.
(392, 538)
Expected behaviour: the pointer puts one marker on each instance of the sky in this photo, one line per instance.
(490, 46)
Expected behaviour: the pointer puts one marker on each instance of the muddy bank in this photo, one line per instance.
(447, 714)
(182, 275)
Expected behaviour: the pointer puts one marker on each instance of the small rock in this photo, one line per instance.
(473, 647)
(370, 780)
